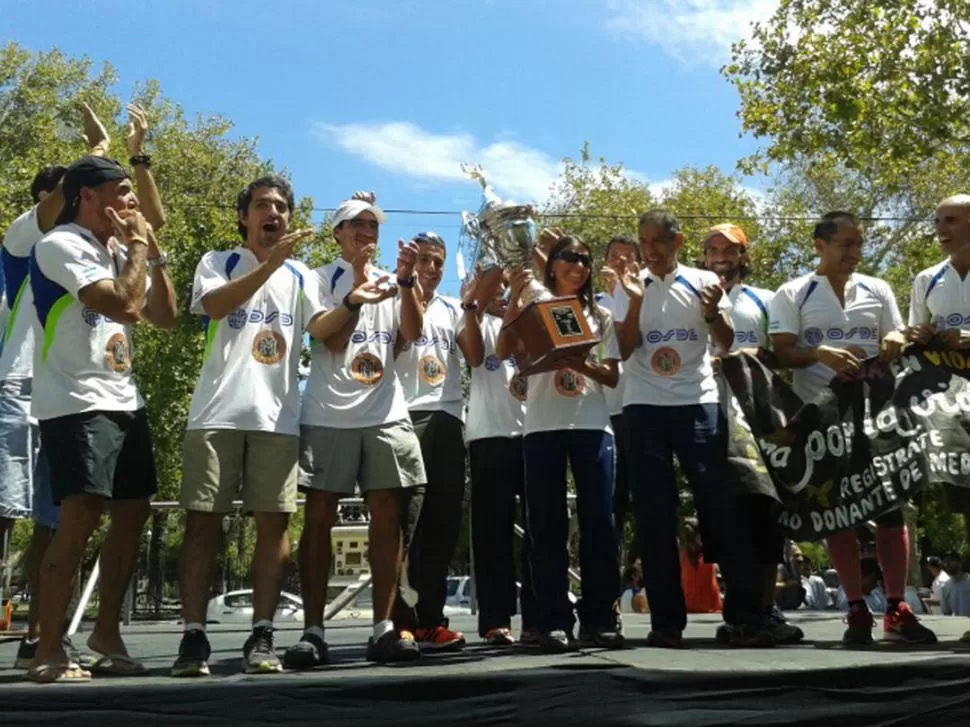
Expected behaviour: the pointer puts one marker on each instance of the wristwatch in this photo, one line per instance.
(406, 282)
(469, 306)
(157, 262)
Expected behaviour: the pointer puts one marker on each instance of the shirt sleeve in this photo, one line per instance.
(72, 263)
(609, 346)
(22, 234)
(210, 275)
(620, 304)
(311, 302)
(783, 315)
(919, 314)
(891, 319)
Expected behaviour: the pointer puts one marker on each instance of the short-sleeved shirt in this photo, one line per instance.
(614, 396)
(83, 358)
(248, 379)
(939, 296)
(808, 308)
(496, 404)
(359, 387)
(671, 364)
(749, 316)
(17, 347)
(430, 367)
(564, 399)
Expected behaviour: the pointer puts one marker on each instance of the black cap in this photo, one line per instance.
(88, 171)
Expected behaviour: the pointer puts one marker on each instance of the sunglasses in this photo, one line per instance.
(571, 256)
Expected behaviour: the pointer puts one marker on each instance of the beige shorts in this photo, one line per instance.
(219, 465)
(386, 457)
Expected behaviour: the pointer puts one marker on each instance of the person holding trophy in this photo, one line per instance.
(567, 421)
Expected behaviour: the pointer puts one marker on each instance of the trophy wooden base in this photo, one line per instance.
(549, 333)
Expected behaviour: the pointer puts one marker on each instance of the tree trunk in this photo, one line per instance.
(156, 561)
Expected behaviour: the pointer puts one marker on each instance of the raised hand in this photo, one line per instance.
(631, 281)
(373, 291)
(129, 225)
(549, 237)
(137, 129)
(361, 263)
(519, 280)
(407, 256)
(609, 278)
(283, 249)
(94, 133)
(710, 296)
(368, 197)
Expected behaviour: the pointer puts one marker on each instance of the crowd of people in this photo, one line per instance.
(383, 413)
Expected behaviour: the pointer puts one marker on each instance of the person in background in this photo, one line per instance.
(956, 591)
(634, 597)
(698, 579)
(940, 577)
(872, 590)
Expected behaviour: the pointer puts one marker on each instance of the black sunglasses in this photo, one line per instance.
(571, 256)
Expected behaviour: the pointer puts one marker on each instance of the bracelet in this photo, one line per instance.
(467, 307)
(709, 321)
(406, 282)
(350, 305)
(144, 160)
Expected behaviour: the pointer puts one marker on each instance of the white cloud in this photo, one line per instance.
(694, 31)
(516, 171)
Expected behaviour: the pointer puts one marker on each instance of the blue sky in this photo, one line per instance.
(390, 95)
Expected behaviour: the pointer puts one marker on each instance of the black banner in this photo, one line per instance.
(862, 448)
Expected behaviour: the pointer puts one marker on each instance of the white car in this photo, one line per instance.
(237, 607)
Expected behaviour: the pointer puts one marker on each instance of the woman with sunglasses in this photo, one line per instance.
(567, 421)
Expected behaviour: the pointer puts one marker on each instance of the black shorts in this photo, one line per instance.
(103, 453)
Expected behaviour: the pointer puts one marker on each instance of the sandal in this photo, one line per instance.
(64, 673)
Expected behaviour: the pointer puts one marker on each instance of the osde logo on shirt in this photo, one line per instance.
(91, 317)
(240, 317)
(494, 363)
(814, 336)
(671, 334)
(360, 336)
(953, 320)
(746, 336)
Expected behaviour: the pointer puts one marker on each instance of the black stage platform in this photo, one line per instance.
(819, 682)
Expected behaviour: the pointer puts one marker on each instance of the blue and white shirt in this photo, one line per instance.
(17, 347)
(808, 308)
(496, 404)
(749, 315)
(939, 296)
(249, 373)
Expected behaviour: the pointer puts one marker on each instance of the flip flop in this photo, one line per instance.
(64, 673)
(120, 665)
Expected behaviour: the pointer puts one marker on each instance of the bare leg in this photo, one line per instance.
(119, 555)
(197, 564)
(385, 549)
(269, 562)
(39, 541)
(315, 554)
(79, 517)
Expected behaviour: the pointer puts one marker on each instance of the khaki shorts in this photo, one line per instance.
(386, 457)
(219, 464)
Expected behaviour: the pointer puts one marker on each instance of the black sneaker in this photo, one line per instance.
(724, 634)
(751, 637)
(554, 642)
(259, 654)
(604, 639)
(394, 646)
(307, 653)
(194, 651)
(665, 639)
(25, 653)
(782, 631)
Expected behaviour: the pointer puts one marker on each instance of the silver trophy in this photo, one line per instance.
(501, 234)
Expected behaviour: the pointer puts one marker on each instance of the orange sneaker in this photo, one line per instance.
(439, 638)
(499, 637)
(901, 624)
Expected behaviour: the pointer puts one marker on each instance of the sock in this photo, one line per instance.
(892, 604)
(195, 627)
(263, 623)
(381, 628)
(316, 631)
(844, 552)
(892, 548)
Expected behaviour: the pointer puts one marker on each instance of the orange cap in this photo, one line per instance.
(732, 232)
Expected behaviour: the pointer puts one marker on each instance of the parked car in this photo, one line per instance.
(237, 607)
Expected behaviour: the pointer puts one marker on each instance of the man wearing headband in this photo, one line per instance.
(355, 429)
(25, 479)
(430, 371)
(90, 280)
(726, 253)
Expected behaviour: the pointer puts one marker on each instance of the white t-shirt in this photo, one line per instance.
(936, 588)
(359, 387)
(749, 315)
(496, 404)
(430, 367)
(671, 364)
(248, 379)
(17, 352)
(83, 360)
(939, 296)
(808, 308)
(564, 399)
(614, 396)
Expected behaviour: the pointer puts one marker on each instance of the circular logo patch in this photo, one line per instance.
(366, 369)
(665, 361)
(269, 347)
(431, 370)
(117, 355)
(569, 383)
(813, 336)
(492, 362)
(91, 317)
(237, 319)
(519, 387)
